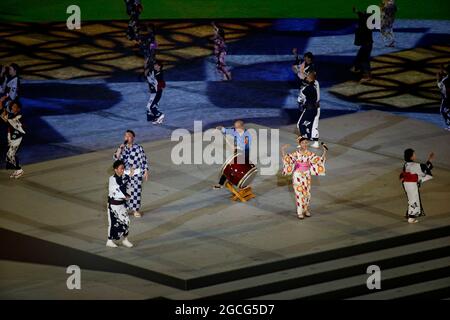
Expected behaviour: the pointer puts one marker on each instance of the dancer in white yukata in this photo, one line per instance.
(302, 164)
(13, 118)
(135, 161)
(118, 220)
(412, 177)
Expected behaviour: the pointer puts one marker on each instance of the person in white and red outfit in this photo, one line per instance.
(412, 177)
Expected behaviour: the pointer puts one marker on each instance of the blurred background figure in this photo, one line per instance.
(443, 83)
(363, 39)
(388, 11)
(220, 51)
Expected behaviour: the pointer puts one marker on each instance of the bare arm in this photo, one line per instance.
(283, 149)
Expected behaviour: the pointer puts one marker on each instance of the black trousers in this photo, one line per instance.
(154, 112)
(362, 60)
(306, 121)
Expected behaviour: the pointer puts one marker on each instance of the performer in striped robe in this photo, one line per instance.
(309, 104)
(135, 160)
(118, 220)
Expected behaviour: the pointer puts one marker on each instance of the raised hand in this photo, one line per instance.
(284, 147)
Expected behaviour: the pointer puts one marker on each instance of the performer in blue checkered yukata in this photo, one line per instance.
(118, 220)
(136, 167)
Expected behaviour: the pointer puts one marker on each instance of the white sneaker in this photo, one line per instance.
(13, 175)
(412, 220)
(111, 244)
(315, 144)
(18, 173)
(127, 243)
(160, 119)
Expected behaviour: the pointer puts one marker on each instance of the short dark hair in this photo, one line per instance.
(132, 132)
(159, 63)
(118, 163)
(300, 139)
(309, 55)
(18, 104)
(15, 66)
(408, 154)
(221, 33)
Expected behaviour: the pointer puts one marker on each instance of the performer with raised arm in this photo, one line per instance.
(302, 164)
(412, 177)
(242, 142)
(302, 68)
(220, 51)
(309, 104)
(136, 167)
(118, 220)
(156, 84)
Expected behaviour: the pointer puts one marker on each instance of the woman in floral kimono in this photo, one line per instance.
(303, 164)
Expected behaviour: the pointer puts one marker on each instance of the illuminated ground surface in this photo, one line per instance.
(83, 89)
(190, 234)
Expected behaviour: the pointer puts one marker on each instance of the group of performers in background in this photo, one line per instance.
(131, 166)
